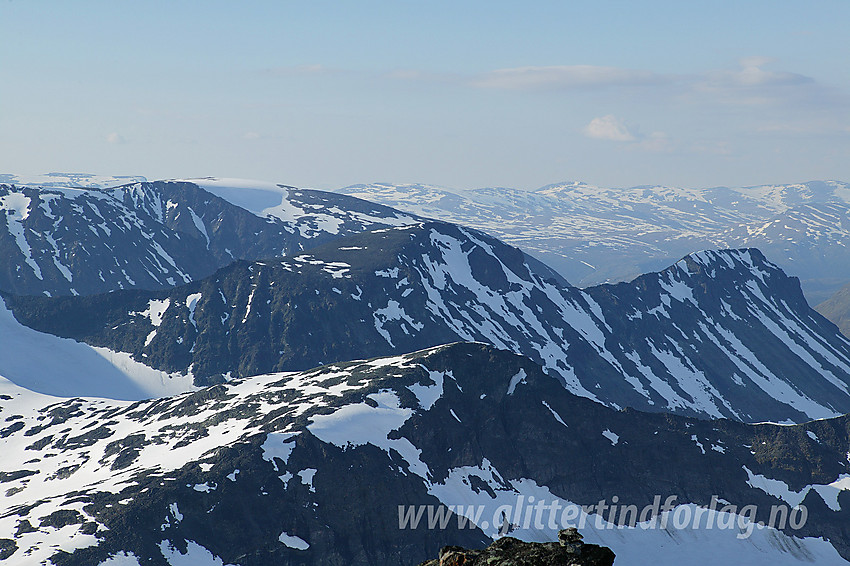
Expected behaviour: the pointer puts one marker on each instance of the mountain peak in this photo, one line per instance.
(643, 344)
(750, 260)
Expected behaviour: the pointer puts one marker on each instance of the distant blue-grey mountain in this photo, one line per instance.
(593, 235)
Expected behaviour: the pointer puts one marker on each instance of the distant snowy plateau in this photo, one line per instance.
(594, 235)
(221, 372)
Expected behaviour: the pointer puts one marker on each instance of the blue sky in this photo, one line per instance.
(464, 94)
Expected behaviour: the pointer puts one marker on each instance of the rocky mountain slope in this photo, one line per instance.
(283, 469)
(837, 309)
(467, 441)
(718, 334)
(593, 235)
(66, 241)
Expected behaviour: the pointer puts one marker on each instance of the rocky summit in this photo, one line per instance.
(508, 551)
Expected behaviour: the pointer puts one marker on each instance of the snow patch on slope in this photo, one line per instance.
(253, 196)
(195, 555)
(293, 541)
(779, 489)
(361, 423)
(77, 370)
(427, 395)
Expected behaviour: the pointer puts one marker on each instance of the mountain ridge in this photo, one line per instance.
(155, 235)
(465, 406)
(285, 464)
(719, 334)
(593, 235)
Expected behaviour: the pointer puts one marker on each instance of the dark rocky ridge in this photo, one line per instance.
(161, 476)
(719, 334)
(155, 235)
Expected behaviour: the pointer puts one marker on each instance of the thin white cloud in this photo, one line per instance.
(564, 77)
(407, 74)
(710, 148)
(611, 128)
(751, 74)
(115, 138)
(608, 128)
(753, 85)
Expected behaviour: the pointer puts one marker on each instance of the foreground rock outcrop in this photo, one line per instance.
(508, 551)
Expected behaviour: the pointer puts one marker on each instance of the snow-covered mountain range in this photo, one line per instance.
(719, 334)
(60, 241)
(589, 234)
(184, 376)
(283, 469)
(70, 180)
(593, 235)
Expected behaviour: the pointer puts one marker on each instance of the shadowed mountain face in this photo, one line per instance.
(330, 466)
(64, 241)
(837, 309)
(719, 334)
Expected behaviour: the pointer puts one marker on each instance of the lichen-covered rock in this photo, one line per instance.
(508, 551)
